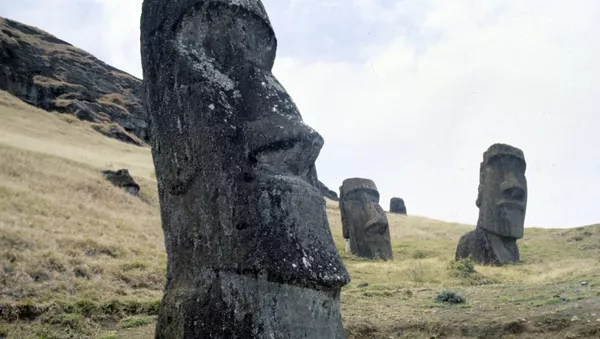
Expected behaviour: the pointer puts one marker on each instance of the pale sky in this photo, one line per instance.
(410, 93)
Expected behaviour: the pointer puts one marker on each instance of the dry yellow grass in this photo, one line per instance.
(71, 242)
(32, 129)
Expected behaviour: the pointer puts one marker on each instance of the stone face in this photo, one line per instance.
(51, 74)
(397, 206)
(121, 178)
(250, 253)
(502, 202)
(364, 223)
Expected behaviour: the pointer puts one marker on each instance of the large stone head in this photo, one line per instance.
(502, 197)
(230, 145)
(364, 222)
(397, 206)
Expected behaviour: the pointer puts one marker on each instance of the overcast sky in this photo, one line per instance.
(410, 93)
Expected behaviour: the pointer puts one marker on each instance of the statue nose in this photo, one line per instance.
(377, 219)
(511, 188)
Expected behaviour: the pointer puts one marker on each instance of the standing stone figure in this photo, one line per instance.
(250, 252)
(397, 206)
(502, 201)
(364, 223)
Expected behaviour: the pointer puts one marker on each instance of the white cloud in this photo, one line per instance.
(418, 122)
(121, 19)
(417, 112)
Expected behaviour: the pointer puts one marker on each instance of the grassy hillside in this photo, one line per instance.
(83, 259)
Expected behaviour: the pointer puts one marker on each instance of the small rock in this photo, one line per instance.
(584, 283)
(122, 179)
(593, 315)
(598, 320)
(523, 320)
(11, 257)
(577, 291)
(361, 285)
(82, 272)
(575, 318)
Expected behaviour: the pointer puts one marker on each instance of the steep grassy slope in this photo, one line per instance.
(82, 259)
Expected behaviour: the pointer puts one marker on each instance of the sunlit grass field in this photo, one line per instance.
(83, 259)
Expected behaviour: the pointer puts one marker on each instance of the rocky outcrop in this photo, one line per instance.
(52, 74)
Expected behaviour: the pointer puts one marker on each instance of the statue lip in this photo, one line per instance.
(512, 204)
(289, 179)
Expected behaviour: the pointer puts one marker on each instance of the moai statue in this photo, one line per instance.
(250, 252)
(397, 206)
(364, 223)
(502, 201)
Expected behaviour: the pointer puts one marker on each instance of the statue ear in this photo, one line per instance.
(480, 187)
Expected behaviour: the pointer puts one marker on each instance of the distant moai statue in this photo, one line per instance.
(397, 206)
(250, 252)
(364, 223)
(502, 202)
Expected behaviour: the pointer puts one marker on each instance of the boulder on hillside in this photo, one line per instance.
(121, 178)
(53, 75)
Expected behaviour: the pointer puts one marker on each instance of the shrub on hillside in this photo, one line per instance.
(462, 268)
(449, 297)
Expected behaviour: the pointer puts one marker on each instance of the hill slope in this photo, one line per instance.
(83, 259)
(56, 76)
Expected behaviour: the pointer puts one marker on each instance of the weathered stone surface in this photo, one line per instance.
(364, 223)
(121, 178)
(49, 73)
(250, 253)
(397, 206)
(327, 193)
(502, 202)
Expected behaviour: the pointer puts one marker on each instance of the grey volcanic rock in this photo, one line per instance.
(397, 206)
(364, 223)
(52, 74)
(250, 252)
(327, 193)
(502, 202)
(121, 178)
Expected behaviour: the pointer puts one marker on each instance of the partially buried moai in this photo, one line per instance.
(502, 201)
(250, 252)
(364, 223)
(397, 206)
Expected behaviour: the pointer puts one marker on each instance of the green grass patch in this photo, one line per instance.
(135, 321)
